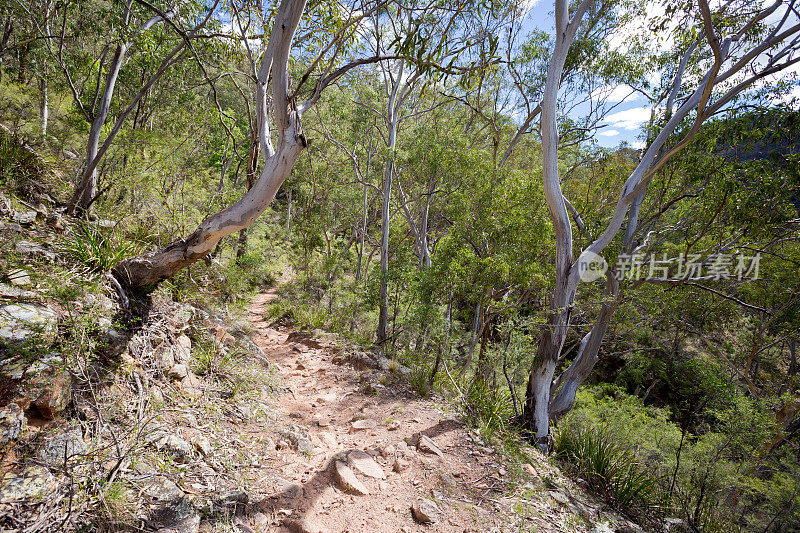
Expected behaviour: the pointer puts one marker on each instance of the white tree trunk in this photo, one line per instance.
(86, 190)
(392, 119)
(45, 104)
(362, 235)
(537, 399)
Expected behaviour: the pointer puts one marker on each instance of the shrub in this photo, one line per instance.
(488, 407)
(20, 167)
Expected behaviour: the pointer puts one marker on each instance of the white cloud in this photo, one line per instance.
(527, 5)
(630, 119)
(637, 144)
(615, 93)
(609, 133)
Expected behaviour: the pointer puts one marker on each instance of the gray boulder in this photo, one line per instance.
(62, 447)
(20, 321)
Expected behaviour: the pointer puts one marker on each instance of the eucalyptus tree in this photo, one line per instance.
(279, 108)
(441, 36)
(135, 27)
(507, 99)
(729, 54)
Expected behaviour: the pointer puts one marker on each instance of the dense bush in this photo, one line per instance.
(718, 480)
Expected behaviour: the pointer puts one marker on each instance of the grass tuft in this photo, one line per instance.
(97, 251)
(606, 467)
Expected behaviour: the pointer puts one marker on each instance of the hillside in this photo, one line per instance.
(380, 265)
(180, 421)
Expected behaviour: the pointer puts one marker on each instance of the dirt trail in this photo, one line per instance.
(323, 399)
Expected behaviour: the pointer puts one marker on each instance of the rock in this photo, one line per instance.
(394, 425)
(20, 321)
(260, 521)
(12, 420)
(189, 420)
(62, 447)
(388, 451)
(402, 449)
(32, 249)
(329, 439)
(281, 488)
(358, 360)
(232, 500)
(347, 479)
(10, 291)
(166, 358)
(426, 445)
(174, 515)
(302, 337)
(303, 525)
(297, 415)
(100, 302)
(245, 410)
(34, 483)
(365, 464)
(55, 396)
(268, 445)
(42, 383)
(106, 224)
(161, 488)
(179, 371)
(676, 525)
(156, 396)
(202, 445)
(174, 445)
(113, 343)
(19, 277)
(179, 320)
(25, 217)
(183, 349)
(401, 465)
(363, 424)
(559, 497)
(425, 511)
(384, 363)
(190, 385)
(529, 469)
(298, 440)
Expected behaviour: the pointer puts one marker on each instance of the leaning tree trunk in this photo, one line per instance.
(563, 390)
(143, 273)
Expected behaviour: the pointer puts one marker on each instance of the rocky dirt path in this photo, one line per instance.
(355, 462)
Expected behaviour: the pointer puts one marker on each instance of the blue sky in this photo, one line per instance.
(624, 124)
